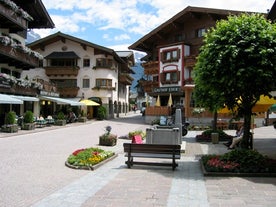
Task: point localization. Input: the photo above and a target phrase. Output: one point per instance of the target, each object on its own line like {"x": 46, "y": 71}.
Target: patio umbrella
{"x": 158, "y": 101}
{"x": 170, "y": 102}
{"x": 89, "y": 102}
{"x": 263, "y": 104}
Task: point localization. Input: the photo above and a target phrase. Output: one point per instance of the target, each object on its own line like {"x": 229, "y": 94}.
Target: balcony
{"x": 149, "y": 85}
{"x": 12, "y": 19}
{"x": 18, "y": 57}
{"x": 190, "y": 61}
{"x": 151, "y": 68}
{"x": 125, "y": 79}
{"x": 188, "y": 81}
{"x": 68, "y": 92}
{"x": 62, "y": 70}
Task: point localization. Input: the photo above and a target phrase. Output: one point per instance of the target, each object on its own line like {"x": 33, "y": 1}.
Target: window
{"x": 170, "y": 55}
{"x": 85, "y": 83}
{"x": 170, "y": 77}
{"x": 201, "y": 32}
{"x": 86, "y": 62}
{"x": 65, "y": 83}
{"x": 63, "y": 62}
{"x": 103, "y": 83}
{"x": 179, "y": 37}
{"x": 104, "y": 63}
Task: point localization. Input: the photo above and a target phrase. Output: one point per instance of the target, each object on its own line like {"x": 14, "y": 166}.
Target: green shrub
{"x": 10, "y": 118}
{"x": 240, "y": 161}
{"x": 28, "y": 117}
{"x": 60, "y": 116}
{"x": 101, "y": 113}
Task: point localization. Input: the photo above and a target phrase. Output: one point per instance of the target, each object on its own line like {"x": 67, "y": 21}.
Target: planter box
{"x": 107, "y": 142}
{"x": 9, "y": 128}
{"x": 82, "y": 119}
{"x": 60, "y": 122}
{"x": 28, "y": 126}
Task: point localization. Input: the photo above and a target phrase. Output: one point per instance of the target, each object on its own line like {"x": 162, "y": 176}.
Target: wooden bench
{"x": 161, "y": 151}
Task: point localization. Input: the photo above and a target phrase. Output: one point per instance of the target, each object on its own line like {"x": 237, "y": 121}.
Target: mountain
{"x": 139, "y": 73}
{"x": 32, "y": 36}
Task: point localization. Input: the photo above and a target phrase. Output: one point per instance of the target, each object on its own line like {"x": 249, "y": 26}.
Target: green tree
{"x": 236, "y": 65}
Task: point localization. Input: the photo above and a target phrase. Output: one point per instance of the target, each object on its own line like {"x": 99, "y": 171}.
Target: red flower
{"x": 220, "y": 164}
{"x": 78, "y": 151}
{"x": 95, "y": 153}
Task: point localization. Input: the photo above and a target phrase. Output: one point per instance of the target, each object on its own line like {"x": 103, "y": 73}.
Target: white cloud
{"x": 122, "y": 37}
{"x": 136, "y": 16}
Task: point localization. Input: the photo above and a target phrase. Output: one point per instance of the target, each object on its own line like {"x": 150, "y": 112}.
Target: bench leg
{"x": 174, "y": 164}
{"x": 129, "y": 161}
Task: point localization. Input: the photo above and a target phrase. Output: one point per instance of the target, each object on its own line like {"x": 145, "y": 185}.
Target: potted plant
{"x": 101, "y": 113}
{"x": 108, "y": 139}
{"x": 10, "y": 123}
{"x": 28, "y": 121}
{"x": 61, "y": 121}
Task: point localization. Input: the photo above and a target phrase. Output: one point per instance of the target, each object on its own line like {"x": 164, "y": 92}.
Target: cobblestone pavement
{"x": 33, "y": 172}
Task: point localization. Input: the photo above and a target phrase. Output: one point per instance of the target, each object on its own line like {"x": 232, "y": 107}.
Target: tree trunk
{"x": 214, "y": 126}
{"x": 246, "y": 135}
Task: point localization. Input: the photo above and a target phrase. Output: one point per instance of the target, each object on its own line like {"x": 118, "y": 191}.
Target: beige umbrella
{"x": 89, "y": 102}
{"x": 170, "y": 102}
{"x": 158, "y": 101}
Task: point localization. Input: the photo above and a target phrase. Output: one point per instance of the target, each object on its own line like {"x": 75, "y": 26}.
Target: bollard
{"x": 215, "y": 138}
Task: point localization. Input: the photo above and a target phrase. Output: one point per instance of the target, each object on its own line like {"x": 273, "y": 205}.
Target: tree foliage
{"x": 236, "y": 65}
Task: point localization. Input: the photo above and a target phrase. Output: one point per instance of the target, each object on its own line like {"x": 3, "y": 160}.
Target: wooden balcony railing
{"x": 149, "y": 85}
{"x": 125, "y": 79}
{"x": 151, "y": 67}
{"x": 68, "y": 92}
{"x": 17, "y": 57}
{"x": 13, "y": 18}
{"x": 188, "y": 81}
{"x": 190, "y": 61}
{"x": 62, "y": 70}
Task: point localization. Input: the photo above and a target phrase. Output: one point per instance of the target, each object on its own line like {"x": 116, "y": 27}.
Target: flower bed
{"x": 239, "y": 162}
{"x": 89, "y": 158}
{"x": 206, "y": 136}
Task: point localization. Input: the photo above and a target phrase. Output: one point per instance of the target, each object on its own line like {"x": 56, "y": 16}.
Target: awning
{"x": 62, "y": 101}
{"x": 7, "y": 99}
{"x": 25, "y": 98}
{"x": 62, "y": 55}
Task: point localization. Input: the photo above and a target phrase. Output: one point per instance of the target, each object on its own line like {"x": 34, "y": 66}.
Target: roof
{"x": 62, "y": 55}
{"x": 144, "y": 43}
{"x": 59, "y": 36}
{"x": 36, "y": 9}
{"x": 272, "y": 13}
{"x": 128, "y": 56}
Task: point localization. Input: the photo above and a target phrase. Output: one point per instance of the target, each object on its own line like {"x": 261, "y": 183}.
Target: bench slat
{"x": 151, "y": 155}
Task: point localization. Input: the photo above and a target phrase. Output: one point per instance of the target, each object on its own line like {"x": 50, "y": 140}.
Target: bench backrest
{"x": 152, "y": 148}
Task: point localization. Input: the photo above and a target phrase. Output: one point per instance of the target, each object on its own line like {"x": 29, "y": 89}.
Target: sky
{"x": 117, "y": 24}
